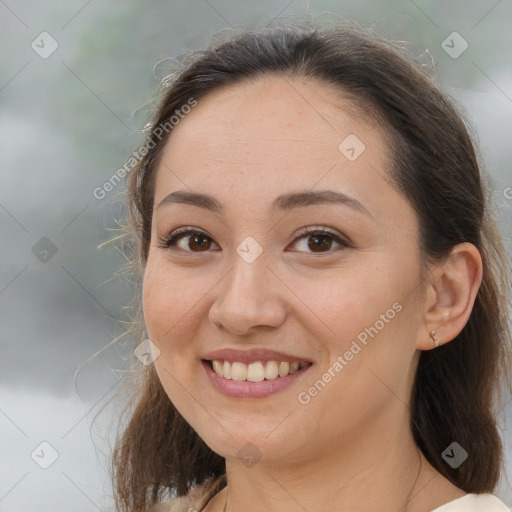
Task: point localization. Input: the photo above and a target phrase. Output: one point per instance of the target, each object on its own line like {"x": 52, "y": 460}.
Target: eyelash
{"x": 169, "y": 241}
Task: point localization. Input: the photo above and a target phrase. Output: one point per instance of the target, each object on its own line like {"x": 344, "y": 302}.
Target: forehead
{"x": 269, "y": 136}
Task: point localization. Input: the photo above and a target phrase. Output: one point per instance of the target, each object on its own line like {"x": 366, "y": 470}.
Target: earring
{"x": 433, "y": 337}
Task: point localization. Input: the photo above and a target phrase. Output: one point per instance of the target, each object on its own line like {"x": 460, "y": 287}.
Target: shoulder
{"x": 189, "y": 503}
{"x": 174, "y": 505}
{"x": 194, "y": 501}
{"x": 474, "y": 503}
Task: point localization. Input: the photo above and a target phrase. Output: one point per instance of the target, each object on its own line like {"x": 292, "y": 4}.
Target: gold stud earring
{"x": 433, "y": 337}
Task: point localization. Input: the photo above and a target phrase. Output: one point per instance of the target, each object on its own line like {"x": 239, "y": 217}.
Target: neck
{"x": 383, "y": 472}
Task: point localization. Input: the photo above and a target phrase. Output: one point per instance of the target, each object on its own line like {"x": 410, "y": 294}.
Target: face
{"x": 267, "y": 281}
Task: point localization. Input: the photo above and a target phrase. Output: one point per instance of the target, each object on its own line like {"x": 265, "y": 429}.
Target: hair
{"x": 433, "y": 163}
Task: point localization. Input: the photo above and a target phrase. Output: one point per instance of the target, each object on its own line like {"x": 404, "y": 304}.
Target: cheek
{"x": 169, "y": 301}
{"x": 369, "y": 348}
{"x": 368, "y": 316}
{"x": 159, "y": 305}
{"x": 168, "y": 307}
{"x": 348, "y": 299}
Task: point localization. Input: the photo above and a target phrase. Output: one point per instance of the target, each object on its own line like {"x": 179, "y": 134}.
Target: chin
{"x": 258, "y": 444}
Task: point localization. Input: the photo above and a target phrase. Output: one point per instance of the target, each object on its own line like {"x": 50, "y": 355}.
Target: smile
{"x": 256, "y": 371}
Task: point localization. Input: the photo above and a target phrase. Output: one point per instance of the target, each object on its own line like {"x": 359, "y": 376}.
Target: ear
{"x": 450, "y": 295}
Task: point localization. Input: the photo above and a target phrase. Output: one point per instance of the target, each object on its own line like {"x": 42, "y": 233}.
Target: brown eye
{"x": 320, "y": 242}
{"x": 197, "y": 241}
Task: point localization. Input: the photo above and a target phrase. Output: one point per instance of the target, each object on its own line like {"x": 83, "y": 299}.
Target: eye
{"x": 196, "y": 239}
{"x": 320, "y": 240}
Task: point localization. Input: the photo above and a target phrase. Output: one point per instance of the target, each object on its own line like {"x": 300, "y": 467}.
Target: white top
{"x": 474, "y": 503}
{"x": 468, "y": 503}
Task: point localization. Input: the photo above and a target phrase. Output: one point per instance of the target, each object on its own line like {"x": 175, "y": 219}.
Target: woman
{"x": 323, "y": 287}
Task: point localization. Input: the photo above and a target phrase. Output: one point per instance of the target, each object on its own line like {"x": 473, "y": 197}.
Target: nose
{"x": 249, "y": 296}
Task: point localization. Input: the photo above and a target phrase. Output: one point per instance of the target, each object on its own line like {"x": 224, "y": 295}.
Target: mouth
{"x": 257, "y": 371}
{"x": 253, "y": 373}
{"x": 253, "y": 379}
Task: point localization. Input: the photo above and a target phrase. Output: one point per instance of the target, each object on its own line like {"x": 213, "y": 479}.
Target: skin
{"x": 351, "y": 446}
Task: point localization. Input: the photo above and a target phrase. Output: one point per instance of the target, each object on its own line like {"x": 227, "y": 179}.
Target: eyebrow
{"x": 284, "y": 202}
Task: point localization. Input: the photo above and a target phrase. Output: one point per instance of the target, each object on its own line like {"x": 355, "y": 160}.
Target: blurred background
{"x": 75, "y": 81}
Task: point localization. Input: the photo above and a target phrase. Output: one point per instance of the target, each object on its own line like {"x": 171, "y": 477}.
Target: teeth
{"x": 271, "y": 370}
{"x": 217, "y": 366}
{"x": 239, "y": 371}
{"x": 284, "y": 369}
{"x": 257, "y": 371}
{"x": 225, "y": 370}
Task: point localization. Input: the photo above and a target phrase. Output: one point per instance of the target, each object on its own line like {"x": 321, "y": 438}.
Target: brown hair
{"x": 434, "y": 165}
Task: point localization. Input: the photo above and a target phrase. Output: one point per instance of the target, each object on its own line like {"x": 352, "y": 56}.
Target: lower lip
{"x": 246, "y": 389}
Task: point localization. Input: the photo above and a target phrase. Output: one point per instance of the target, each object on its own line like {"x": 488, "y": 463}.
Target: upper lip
{"x": 252, "y": 356}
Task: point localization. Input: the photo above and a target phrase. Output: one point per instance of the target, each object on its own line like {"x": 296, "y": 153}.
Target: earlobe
{"x": 434, "y": 339}
{"x": 450, "y": 296}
